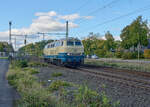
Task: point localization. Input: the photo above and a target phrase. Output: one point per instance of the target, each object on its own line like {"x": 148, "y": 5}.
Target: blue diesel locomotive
{"x": 66, "y": 52}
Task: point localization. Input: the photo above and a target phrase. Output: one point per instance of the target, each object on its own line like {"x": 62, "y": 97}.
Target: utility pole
{"x": 43, "y": 36}
{"x": 139, "y": 47}
{"x": 15, "y": 42}
{"x": 66, "y": 30}
{"x": 10, "y": 23}
{"x": 25, "y": 40}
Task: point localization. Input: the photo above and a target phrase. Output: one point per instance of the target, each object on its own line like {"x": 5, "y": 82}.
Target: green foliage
{"x": 135, "y": 33}
{"x": 109, "y": 54}
{"x": 5, "y": 47}
{"x": 36, "y": 64}
{"x": 21, "y": 63}
{"x": 147, "y": 53}
{"x": 118, "y": 54}
{"x": 109, "y": 36}
{"x": 128, "y": 55}
{"x": 131, "y": 55}
{"x": 57, "y": 74}
{"x": 34, "y": 49}
{"x": 101, "y": 53}
{"x": 95, "y": 45}
{"x": 58, "y": 84}
{"x": 33, "y": 71}
{"x": 86, "y": 97}
{"x": 32, "y": 93}
{"x": 109, "y": 43}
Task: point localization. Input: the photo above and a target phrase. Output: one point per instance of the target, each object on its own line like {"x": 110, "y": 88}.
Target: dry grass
{"x": 121, "y": 65}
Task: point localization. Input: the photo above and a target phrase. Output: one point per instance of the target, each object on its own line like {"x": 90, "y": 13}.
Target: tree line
{"x": 5, "y": 47}
{"x": 134, "y": 35}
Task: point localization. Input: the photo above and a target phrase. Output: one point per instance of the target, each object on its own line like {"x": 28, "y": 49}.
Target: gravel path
{"x": 128, "y": 97}
{"x": 7, "y": 93}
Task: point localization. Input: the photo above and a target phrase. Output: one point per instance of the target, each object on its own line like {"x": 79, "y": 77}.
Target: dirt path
{"x": 7, "y": 93}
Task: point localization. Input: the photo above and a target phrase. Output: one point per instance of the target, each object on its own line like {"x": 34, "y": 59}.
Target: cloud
{"x": 46, "y": 22}
{"x": 51, "y": 13}
{"x": 73, "y": 17}
{"x": 88, "y": 17}
{"x": 115, "y": 37}
{"x": 70, "y": 17}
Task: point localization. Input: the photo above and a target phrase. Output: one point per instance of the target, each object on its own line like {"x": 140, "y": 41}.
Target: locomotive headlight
{"x": 68, "y": 54}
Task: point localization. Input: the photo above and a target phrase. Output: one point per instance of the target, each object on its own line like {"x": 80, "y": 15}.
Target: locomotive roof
{"x": 69, "y": 39}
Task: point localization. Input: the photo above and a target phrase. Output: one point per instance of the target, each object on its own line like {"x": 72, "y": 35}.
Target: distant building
{"x": 148, "y": 47}
{"x": 142, "y": 48}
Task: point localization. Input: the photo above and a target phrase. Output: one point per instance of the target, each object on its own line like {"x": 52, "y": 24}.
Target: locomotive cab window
{"x": 78, "y": 43}
{"x": 62, "y": 43}
{"x": 70, "y": 43}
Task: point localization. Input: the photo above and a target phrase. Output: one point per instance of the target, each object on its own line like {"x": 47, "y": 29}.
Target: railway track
{"x": 112, "y": 77}
{"x": 102, "y": 73}
{"x": 124, "y": 80}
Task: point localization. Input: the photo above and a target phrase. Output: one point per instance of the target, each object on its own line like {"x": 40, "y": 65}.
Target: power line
{"x": 99, "y": 9}
{"x": 122, "y": 16}
{"x": 82, "y": 6}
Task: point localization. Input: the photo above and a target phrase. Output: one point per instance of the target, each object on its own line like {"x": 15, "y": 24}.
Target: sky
{"x": 84, "y": 16}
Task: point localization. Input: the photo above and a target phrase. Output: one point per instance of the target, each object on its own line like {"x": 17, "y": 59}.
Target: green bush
{"x": 100, "y": 53}
{"x": 56, "y": 74}
{"x": 85, "y": 97}
{"x": 35, "y": 64}
{"x": 128, "y": 55}
{"x": 32, "y": 93}
{"x": 57, "y": 84}
{"x": 132, "y": 55}
{"x": 118, "y": 54}
{"x": 20, "y": 63}
{"x": 109, "y": 54}
{"x": 147, "y": 53}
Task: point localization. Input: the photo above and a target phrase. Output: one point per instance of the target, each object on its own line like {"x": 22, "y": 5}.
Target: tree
{"x": 109, "y": 43}
{"x": 34, "y": 49}
{"x": 135, "y": 34}
{"x": 109, "y": 36}
{"x": 5, "y": 47}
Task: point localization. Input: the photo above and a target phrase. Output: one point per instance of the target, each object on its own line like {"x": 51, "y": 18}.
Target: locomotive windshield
{"x": 78, "y": 43}
{"x": 74, "y": 43}
{"x": 70, "y": 43}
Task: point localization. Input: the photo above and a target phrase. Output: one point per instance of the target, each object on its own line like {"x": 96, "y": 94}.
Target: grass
{"x": 31, "y": 70}
{"x": 56, "y": 85}
{"x": 145, "y": 67}
{"x": 37, "y": 64}
{"x": 86, "y": 97}
{"x": 3, "y": 57}
{"x": 57, "y": 74}
{"x": 33, "y": 94}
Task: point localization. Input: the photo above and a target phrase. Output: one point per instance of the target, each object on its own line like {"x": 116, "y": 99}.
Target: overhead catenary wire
{"x": 98, "y": 10}
{"x": 82, "y": 6}
{"x": 120, "y": 17}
